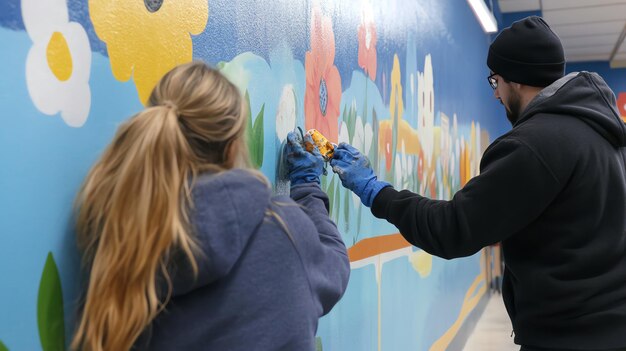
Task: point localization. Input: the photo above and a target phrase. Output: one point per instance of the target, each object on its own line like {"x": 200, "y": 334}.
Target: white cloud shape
{"x": 59, "y": 62}
{"x": 286, "y": 114}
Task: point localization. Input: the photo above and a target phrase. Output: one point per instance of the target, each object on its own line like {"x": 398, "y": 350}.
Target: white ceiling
{"x": 591, "y": 30}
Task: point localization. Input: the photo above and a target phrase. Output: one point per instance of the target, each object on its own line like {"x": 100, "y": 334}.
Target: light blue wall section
{"x": 262, "y": 46}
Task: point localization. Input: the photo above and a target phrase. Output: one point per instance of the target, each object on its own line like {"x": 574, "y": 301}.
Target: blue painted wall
{"x": 61, "y": 111}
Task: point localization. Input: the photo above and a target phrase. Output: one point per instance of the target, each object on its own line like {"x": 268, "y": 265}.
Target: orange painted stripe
{"x": 377, "y": 245}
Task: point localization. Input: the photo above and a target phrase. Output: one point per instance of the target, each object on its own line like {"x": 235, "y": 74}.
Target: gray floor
{"x": 493, "y": 330}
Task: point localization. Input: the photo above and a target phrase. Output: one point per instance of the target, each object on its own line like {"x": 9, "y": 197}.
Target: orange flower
{"x": 323, "y": 83}
{"x": 367, "y": 47}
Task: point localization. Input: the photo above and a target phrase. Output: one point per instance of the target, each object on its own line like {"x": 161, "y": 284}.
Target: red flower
{"x": 323, "y": 83}
{"x": 621, "y": 105}
{"x": 367, "y": 47}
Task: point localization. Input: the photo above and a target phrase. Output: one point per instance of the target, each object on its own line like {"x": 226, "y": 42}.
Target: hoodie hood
{"x": 228, "y": 207}
{"x": 582, "y": 95}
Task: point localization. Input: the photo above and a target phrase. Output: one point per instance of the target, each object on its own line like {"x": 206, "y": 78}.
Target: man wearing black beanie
{"x": 552, "y": 190}
{"x": 528, "y": 52}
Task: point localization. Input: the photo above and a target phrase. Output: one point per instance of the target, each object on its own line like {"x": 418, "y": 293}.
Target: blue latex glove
{"x": 356, "y": 174}
{"x": 303, "y": 166}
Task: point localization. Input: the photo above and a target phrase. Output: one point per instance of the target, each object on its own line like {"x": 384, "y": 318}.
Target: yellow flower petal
{"x": 396, "y": 105}
{"x": 422, "y": 263}
{"x": 59, "y": 57}
{"x": 147, "y": 44}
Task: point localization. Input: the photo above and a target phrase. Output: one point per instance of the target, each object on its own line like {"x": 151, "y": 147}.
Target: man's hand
{"x": 356, "y": 174}
{"x": 303, "y": 166}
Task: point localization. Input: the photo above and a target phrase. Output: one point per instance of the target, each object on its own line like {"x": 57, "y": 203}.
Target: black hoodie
{"x": 553, "y": 190}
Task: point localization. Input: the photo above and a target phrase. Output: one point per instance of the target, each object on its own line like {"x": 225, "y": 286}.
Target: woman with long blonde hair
{"x": 184, "y": 244}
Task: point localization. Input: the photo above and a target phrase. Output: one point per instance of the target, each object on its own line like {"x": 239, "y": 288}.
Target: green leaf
{"x": 249, "y": 140}
{"x": 50, "y": 308}
{"x": 373, "y": 156}
{"x": 254, "y": 134}
{"x": 318, "y": 344}
{"x": 2, "y": 347}
{"x": 331, "y": 194}
{"x": 365, "y": 103}
{"x": 346, "y": 209}
{"x": 337, "y": 196}
{"x": 351, "y": 122}
{"x": 257, "y": 139}
{"x": 358, "y": 223}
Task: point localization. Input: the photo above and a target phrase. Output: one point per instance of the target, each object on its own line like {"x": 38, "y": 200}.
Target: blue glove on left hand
{"x": 303, "y": 166}
{"x": 356, "y": 174}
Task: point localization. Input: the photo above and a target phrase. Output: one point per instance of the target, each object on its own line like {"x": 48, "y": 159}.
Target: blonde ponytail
{"x": 133, "y": 199}
{"x": 134, "y": 204}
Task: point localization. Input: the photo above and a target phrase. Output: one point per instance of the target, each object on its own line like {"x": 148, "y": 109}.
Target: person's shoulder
{"x": 554, "y": 134}
{"x": 544, "y": 125}
{"x": 242, "y": 188}
{"x": 285, "y": 205}
{"x": 235, "y": 179}
{"x": 235, "y": 175}
{"x": 555, "y": 140}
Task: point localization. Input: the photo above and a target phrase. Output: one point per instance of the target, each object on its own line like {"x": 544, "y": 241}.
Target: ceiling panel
{"x": 589, "y": 40}
{"x": 585, "y": 14}
{"x": 589, "y": 50}
{"x": 547, "y": 5}
{"x": 518, "y": 5}
{"x": 590, "y": 57}
{"x": 621, "y": 56}
{"x": 589, "y": 29}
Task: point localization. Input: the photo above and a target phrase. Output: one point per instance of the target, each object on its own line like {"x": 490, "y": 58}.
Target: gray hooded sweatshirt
{"x": 270, "y": 268}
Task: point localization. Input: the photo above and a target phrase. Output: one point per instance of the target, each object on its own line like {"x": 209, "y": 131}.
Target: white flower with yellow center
{"x": 59, "y": 62}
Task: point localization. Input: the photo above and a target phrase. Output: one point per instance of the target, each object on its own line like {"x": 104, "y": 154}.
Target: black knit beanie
{"x": 527, "y": 52}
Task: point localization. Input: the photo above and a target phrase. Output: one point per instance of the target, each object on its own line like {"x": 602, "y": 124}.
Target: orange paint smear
{"x": 375, "y": 246}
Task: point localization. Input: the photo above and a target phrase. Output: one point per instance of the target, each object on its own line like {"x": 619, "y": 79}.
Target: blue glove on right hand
{"x": 303, "y": 166}
{"x": 356, "y": 174}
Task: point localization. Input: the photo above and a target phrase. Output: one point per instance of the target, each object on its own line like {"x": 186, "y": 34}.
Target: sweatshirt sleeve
{"x": 513, "y": 189}
{"x": 326, "y": 258}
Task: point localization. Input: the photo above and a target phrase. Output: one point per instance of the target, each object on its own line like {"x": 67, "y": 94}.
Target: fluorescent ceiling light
{"x": 484, "y": 15}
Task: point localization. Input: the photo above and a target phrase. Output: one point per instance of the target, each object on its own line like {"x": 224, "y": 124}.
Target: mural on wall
{"x": 347, "y": 70}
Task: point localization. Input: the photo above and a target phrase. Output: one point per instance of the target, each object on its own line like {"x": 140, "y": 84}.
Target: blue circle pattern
{"x": 153, "y": 5}
{"x": 323, "y": 97}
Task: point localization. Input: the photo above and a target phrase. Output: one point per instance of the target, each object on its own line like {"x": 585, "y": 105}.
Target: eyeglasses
{"x": 493, "y": 81}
